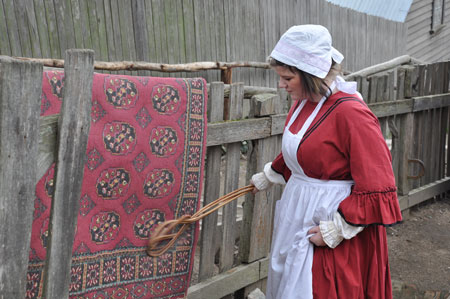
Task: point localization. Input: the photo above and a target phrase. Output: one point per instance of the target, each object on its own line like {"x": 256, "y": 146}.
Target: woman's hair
{"x": 310, "y": 83}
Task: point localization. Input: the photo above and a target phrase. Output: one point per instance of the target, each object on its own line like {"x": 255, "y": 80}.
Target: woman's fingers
{"x": 316, "y": 237}
{"x": 313, "y": 230}
{"x": 255, "y": 190}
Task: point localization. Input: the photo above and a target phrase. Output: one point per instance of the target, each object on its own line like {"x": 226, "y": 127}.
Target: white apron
{"x": 304, "y": 203}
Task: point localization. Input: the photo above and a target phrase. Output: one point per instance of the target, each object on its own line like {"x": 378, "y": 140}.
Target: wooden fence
{"x": 181, "y": 31}
{"x": 411, "y": 101}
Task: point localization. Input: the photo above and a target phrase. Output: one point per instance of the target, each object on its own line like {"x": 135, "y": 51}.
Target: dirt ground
{"x": 419, "y": 248}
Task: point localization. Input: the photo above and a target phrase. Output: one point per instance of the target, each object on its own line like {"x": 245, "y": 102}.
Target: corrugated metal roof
{"x": 394, "y": 10}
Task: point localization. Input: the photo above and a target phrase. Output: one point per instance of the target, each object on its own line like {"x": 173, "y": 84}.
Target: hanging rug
{"x": 144, "y": 165}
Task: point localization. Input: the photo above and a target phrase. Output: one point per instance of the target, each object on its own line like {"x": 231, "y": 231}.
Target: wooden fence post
{"x": 226, "y": 77}
{"x": 74, "y": 124}
{"x": 257, "y": 225}
{"x": 406, "y": 138}
{"x": 231, "y": 182}
{"x": 212, "y": 186}
{"x": 20, "y": 100}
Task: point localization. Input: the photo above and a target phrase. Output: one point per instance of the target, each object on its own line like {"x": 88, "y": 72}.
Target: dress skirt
{"x": 356, "y": 269}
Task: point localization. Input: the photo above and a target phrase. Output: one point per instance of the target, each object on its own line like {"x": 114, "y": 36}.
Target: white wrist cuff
{"x": 273, "y": 176}
{"x": 260, "y": 181}
{"x": 336, "y": 230}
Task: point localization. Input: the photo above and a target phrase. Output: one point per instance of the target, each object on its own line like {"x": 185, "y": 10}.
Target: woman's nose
{"x": 282, "y": 84}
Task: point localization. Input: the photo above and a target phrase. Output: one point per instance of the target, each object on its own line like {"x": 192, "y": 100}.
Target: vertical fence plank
{"x": 209, "y": 39}
{"x": 150, "y": 31}
{"x": 221, "y": 42}
{"x": 428, "y": 75}
{"x": 372, "y": 93}
{"x": 407, "y": 86}
{"x": 20, "y": 91}
{"x": 255, "y": 55}
{"x": 249, "y": 37}
{"x": 427, "y": 144}
{"x": 13, "y": 30}
{"x": 109, "y": 31}
{"x": 212, "y": 186}
{"x": 74, "y": 124}
{"x": 238, "y": 19}
{"x": 33, "y": 29}
{"x": 400, "y": 83}
{"x": 422, "y": 141}
{"x": 410, "y": 87}
{"x": 447, "y": 170}
{"x": 189, "y": 29}
{"x": 421, "y": 80}
{"x": 394, "y": 122}
{"x": 117, "y": 40}
{"x": 446, "y": 86}
{"x": 200, "y": 33}
{"x": 443, "y": 134}
{"x": 64, "y": 23}
{"x": 101, "y": 26}
{"x": 405, "y": 141}
{"x": 126, "y": 32}
{"x": 126, "y": 24}
{"x": 446, "y": 138}
{"x": 159, "y": 32}
{"x": 430, "y": 136}
{"x": 179, "y": 17}
{"x": 140, "y": 32}
{"x": 85, "y": 28}
{"x": 53, "y": 35}
{"x": 414, "y": 80}
{"x": 391, "y": 86}
{"x": 417, "y": 152}
{"x": 93, "y": 26}
{"x": 5, "y": 48}
{"x": 436, "y": 78}
{"x": 381, "y": 97}
{"x": 77, "y": 26}
{"x": 435, "y": 143}
{"x": 173, "y": 46}
{"x": 42, "y": 29}
{"x": 231, "y": 182}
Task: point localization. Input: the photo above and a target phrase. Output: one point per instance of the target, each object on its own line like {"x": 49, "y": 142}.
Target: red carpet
{"x": 144, "y": 165}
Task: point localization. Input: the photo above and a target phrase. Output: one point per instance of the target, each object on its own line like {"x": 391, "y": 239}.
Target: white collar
{"x": 347, "y": 87}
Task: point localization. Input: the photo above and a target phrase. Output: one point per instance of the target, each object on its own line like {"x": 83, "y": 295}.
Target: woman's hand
{"x": 317, "y": 238}
{"x": 255, "y": 190}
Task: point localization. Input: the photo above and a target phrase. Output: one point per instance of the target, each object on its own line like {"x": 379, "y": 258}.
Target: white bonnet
{"x": 308, "y": 48}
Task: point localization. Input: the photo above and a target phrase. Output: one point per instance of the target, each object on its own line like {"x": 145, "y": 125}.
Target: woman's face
{"x": 290, "y": 81}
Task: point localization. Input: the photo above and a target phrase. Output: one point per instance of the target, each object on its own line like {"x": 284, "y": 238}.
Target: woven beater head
{"x": 165, "y": 236}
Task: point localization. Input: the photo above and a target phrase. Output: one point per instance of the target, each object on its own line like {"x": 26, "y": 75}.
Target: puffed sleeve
{"x": 373, "y": 200}
{"x": 279, "y": 166}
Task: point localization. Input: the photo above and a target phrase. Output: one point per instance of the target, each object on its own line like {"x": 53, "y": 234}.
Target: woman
{"x": 329, "y": 238}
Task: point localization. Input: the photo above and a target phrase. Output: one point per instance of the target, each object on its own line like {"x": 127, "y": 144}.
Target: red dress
{"x": 345, "y": 143}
